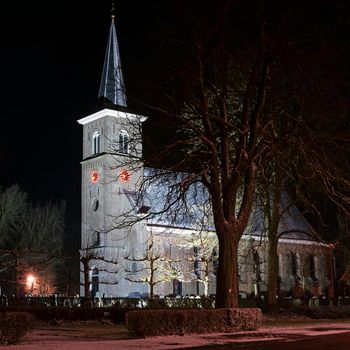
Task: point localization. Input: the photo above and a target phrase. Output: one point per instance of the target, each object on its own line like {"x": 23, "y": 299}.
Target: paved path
{"x": 43, "y": 341}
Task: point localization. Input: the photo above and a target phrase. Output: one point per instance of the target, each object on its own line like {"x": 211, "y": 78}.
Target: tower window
{"x": 123, "y": 142}
{"x": 96, "y": 143}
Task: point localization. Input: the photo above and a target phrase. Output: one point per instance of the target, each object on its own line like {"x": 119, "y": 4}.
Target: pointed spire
{"x": 112, "y": 82}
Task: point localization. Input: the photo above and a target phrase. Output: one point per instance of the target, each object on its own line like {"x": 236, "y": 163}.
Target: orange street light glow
{"x": 30, "y": 279}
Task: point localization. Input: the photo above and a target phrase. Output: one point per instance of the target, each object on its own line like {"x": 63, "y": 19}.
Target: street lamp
{"x": 30, "y": 283}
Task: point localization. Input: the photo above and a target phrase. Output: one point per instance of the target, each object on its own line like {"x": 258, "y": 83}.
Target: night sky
{"x": 50, "y": 64}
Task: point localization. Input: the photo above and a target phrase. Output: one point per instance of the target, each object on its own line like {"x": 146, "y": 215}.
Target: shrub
{"x": 180, "y": 322}
{"x": 14, "y": 325}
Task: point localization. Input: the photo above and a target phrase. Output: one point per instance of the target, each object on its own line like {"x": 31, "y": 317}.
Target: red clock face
{"x": 94, "y": 176}
{"x": 124, "y": 176}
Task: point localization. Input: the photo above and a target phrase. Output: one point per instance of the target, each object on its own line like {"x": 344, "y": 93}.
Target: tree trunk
{"x": 206, "y": 279}
{"x": 86, "y": 280}
{"x": 272, "y": 271}
{"x": 275, "y": 217}
{"x": 151, "y": 282}
{"x": 17, "y": 275}
{"x": 227, "y": 276}
{"x": 151, "y": 290}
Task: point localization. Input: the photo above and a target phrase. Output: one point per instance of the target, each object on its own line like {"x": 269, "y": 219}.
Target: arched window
{"x": 177, "y": 287}
{"x": 196, "y": 262}
{"x": 312, "y": 267}
{"x": 123, "y": 142}
{"x": 295, "y": 266}
{"x": 94, "y": 281}
{"x": 96, "y": 239}
{"x": 215, "y": 258}
{"x": 294, "y": 263}
{"x": 257, "y": 265}
{"x": 96, "y": 142}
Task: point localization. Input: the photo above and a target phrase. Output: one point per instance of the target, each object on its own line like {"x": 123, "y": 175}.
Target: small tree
{"x": 201, "y": 253}
{"x": 91, "y": 258}
{"x": 152, "y": 267}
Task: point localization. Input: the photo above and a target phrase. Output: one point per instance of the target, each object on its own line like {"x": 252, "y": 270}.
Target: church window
{"x": 215, "y": 261}
{"x": 177, "y": 287}
{"x": 96, "y": 143}
{"x": 295, "y": 266}
{"x": 239, "y": 271}
{"x": 96, "y": 239}
{"x": 123, "y": 142}
{"x": 196, "y": 263}
{"x": 312, "y": 267}
{"x": 257, "y": 265}
{"x": 94, "y": 281}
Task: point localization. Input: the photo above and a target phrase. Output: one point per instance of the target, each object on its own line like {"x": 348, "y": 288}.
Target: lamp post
{"x": 30, "y": 283}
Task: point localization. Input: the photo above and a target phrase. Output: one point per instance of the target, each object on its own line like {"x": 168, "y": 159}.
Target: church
{"x": 128, "y": 252}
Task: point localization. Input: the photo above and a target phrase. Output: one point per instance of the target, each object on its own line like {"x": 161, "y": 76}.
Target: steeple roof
{"x": 112, "y": 83}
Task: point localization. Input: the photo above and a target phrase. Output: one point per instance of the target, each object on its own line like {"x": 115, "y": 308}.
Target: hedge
{"x": 322, "y": 312}
{"x": 180, "y": 322}
{"x": 14, "y": 325}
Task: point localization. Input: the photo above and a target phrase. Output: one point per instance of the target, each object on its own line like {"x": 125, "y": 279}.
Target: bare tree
{"x": 94, "y": 261}
{"x": 151, "y": 266}
{"x": 310, "y": 154}
{"x": 31, "y": 235}
{"x": 199, "y": 259}
{"x": 219, "y": 139}
{"x": 227, "y": 118}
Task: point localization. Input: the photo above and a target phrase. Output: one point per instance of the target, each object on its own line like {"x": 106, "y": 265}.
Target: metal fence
{"x": 166, "y": 302}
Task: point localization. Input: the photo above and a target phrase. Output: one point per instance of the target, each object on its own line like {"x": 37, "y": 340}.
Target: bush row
{"x": 326, "y": 312}
{"x": 70, "y": 314}
{"x": 118, "y": 315}
{"x": 13, "y": 326}
{"x": 180, "y": 322}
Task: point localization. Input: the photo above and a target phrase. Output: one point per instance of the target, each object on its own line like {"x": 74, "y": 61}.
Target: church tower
{"x": 111, "y": 169}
